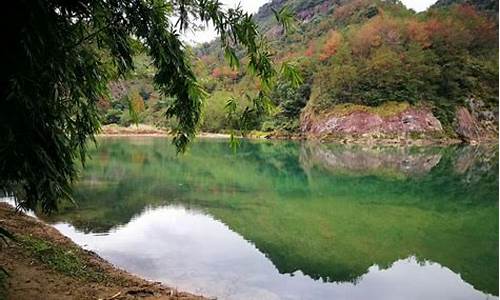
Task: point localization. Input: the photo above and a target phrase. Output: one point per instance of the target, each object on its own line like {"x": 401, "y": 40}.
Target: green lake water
{"x": 289, "y": 220}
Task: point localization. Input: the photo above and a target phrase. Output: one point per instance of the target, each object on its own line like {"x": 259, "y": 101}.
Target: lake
{"x": 290, "y": 220}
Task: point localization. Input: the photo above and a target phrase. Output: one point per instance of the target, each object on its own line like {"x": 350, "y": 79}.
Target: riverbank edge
{"x": 42, "y": 263}
{"x": 364, "y": 140}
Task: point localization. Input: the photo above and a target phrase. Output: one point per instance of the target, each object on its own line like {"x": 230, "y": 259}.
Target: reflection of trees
{"x": 354, "y": 207}
{"x": 124, "y": 177}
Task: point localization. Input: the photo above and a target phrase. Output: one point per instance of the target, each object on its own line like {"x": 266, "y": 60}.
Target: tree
{"x": 136, "y": 106}
{"x": 55, "y": 69}
{"x": 290, "y": 101}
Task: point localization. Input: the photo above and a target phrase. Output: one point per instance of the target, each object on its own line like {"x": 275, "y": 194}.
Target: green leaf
{"x": 230, "y": 56}
{"x": 285, "y": 18}
{"x": 290, "y": 72}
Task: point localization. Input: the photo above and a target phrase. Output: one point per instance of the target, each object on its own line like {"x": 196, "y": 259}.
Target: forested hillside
{"x": 437, "y": 69}
{"x": 489, "y": 6}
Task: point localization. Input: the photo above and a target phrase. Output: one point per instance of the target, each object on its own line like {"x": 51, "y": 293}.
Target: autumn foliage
{"x": 372, "y": 51}
{"x": 225, "y": 73}
{"x": 350, "y": 9}
{"x": 331, "y": 45}
{"x": 381, "y": 30}
{"x": 311, "y": 49}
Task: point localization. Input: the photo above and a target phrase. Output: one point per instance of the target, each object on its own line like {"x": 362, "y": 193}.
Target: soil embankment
{"x": 43, "y": 264}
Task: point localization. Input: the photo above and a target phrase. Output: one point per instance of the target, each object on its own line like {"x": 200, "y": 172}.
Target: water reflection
{"x": 326, "y": 214}
{"x": 218, "y": 262}
{"x": 362, "y": 160}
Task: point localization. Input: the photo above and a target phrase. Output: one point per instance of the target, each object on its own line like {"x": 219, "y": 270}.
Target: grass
{"x": 386, "y": 109}
{"x": 66, "y": 261}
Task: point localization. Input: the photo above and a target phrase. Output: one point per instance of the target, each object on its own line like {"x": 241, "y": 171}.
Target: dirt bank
{"x": 44, "y": 264}
{"x": 147, "y": 131}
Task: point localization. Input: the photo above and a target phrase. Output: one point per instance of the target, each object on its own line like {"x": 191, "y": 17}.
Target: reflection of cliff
{"x": 476, "y": 162}
{"x": 368, "y": 161}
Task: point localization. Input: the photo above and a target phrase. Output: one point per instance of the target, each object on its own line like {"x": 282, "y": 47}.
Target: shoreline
{"x": 201, "y": 135}
{"x": 396, "y": 142}
{"x": 110, "y": 131}
{"x": 42, "y": 263}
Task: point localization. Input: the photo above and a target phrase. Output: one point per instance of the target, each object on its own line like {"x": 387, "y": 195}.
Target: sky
{"x": 252, "y": 6}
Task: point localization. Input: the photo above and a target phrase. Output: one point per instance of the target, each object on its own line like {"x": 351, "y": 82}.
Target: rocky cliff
{"x": 399, "y": 123}
{"x": 388, "y": 122}
{"x": 474, "y": 122}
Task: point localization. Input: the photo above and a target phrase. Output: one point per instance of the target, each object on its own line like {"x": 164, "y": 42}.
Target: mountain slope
{"x": 360, "y": 59}
{"x": 490, "y": 6}
{"x": 363, "y": 53}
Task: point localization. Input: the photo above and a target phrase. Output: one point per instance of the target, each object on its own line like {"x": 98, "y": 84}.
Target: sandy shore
{"x": 147, "y": 131}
